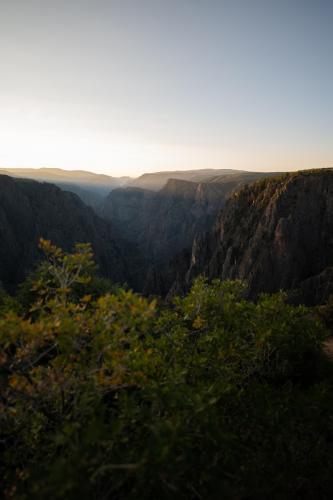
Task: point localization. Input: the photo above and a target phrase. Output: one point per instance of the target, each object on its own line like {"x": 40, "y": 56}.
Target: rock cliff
{"x": 29, "y": 210}
{"x": 276, "y": 234}
{"x": 163, "y": 223}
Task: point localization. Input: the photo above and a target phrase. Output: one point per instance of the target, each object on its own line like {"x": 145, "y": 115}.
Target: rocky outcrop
{"x": 163, "y": 224}
{"x": 166, "y": 222}
{"x": 275, "y": 234}
{"x": 178, "y": 212}
{"x": 29, "y": 210}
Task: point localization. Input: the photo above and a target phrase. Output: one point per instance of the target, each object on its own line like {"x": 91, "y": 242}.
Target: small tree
{"x": 63, "y": 274}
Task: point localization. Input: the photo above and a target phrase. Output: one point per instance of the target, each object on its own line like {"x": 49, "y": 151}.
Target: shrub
{"x": 114, "y": 397}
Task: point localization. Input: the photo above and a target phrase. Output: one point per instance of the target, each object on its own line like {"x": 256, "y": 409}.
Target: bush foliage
{"x": 106, "y": 394}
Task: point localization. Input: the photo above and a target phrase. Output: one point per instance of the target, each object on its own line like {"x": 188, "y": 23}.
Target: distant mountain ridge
{"x": 89, "y": 179}
{"x": 90, "y": 187}
{"x": 157, "y": 180}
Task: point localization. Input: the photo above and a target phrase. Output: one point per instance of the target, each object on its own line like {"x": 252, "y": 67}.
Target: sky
{"x": 132, "y": 86}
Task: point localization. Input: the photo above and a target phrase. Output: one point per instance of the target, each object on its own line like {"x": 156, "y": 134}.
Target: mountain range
{"x": 157, "y": 180}
{"x": 160, "y": 231}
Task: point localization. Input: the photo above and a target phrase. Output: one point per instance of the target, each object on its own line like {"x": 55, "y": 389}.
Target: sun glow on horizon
{"x": 34, "y": 140}
{"x": 124, "y": 88}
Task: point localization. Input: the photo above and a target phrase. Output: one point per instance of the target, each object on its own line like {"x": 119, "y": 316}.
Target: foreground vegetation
{"x": 105, "y": 394}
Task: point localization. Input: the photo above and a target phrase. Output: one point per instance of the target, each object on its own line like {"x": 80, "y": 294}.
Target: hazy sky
{"x": 127, "y": 86}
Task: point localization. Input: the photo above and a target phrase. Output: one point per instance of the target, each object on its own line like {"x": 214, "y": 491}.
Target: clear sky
{"x": 127, "y": 86}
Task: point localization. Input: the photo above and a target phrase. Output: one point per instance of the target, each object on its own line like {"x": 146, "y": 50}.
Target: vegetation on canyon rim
{"x": 106, "y": 394}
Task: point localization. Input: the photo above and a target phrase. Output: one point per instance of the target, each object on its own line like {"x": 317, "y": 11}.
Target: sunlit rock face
{"x": 30, "y": 210}
{"x": 275, "y": 234}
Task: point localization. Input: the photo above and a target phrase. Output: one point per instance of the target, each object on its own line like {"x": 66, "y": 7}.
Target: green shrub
{"x": 113, "y": 397}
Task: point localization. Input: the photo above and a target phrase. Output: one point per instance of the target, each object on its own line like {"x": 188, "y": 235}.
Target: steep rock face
{"x": 179, "y": 211}
{"x": 164, "y": 223}
{"x": 129, "y": 210}
{"x": 29, "y": 210}
{"x": 275, "y": 234}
